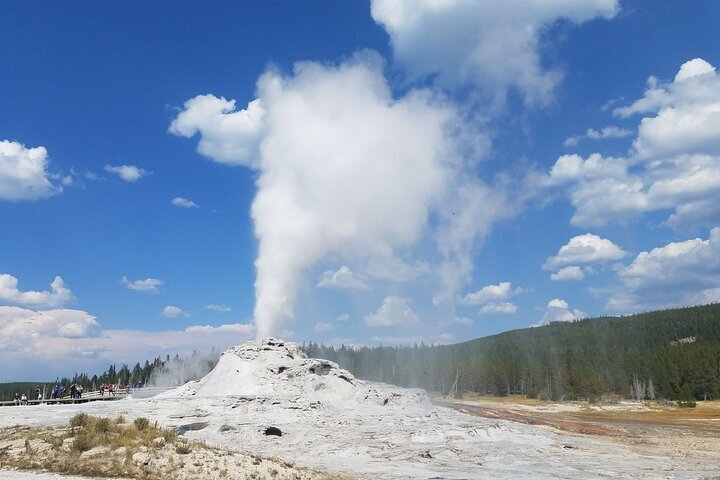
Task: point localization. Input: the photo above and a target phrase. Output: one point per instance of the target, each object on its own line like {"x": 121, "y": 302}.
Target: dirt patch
{"x": 532, "y": 418}
{"x": 650, "y": 427}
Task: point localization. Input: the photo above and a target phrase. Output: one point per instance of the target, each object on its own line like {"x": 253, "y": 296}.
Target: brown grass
{"x": 131, "y": 450}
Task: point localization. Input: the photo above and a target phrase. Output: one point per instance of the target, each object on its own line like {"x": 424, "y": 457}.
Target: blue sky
{"x": 407, "y": 171}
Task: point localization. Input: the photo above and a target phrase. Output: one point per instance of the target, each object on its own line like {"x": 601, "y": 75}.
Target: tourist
{"x": 23, "y": 399}
{"x": 16, "y": 398}
{"x": 38, "y": 392}
{"x": 55, "y": 391}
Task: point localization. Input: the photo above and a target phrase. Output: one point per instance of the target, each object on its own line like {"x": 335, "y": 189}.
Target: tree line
{"x": 164, "y": 372}
{"x": 674, "y": 352}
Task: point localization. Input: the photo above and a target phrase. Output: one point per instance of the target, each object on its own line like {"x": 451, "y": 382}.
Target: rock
{"x": 159, "y": 442}
{"x": 141, "y": 458}
{"x": 101, "y": 450}
{"x": 13, "y": 447}
{"x": 120, "y": 451}
{"x": 68, "y": 444}
{"x": 39, "y": 446}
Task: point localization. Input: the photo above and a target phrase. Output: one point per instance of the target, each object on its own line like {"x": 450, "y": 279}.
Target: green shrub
{"x": 83, "y": 443}
{"x": 687, "y": 403}
{"x": 80, "y": 420}
{"x": 103, "y": 425}
{"x": 141, "y": 423}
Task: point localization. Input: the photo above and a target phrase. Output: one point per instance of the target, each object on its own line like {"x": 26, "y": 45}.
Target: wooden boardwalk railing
{"x": 93, "y": 396}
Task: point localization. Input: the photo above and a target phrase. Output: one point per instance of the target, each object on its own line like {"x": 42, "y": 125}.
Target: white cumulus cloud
{"x": 674, "y": 163}
{"x": 23, "y": 330}
{"x": 149, "y": 285}
{"x": 60, "y": 340}
{"x": 394, "y": 311}
{"x": 226, "y": 135}
{"x": 58, "y": 295}
{"x": 23, "y": 172}
{"x": 570, "y": 273}
{"x": 679, "y": 273}
{"x": 129, "y": 173}
{"x": 585, "y": 249}
{"x": 484, "y": 43}
{"x": 490, "y": 293}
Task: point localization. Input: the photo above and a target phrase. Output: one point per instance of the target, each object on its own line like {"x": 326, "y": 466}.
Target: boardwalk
{"x": 93, "y": 396}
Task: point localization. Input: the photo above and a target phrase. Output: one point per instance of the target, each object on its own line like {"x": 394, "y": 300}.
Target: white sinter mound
{"x": 280, "y": 372}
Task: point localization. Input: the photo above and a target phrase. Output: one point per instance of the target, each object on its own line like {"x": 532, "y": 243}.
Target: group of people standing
{"x": 76, "y": 392}
{"x": 22, "y": 399}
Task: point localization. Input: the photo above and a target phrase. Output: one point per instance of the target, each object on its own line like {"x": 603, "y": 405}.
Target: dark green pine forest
{"x": 672, "y": 354}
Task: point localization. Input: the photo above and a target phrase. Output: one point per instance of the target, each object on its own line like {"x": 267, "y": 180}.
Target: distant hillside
{"x": 676, "y": 351}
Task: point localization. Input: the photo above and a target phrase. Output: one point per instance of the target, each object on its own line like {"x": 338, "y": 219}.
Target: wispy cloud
{"x": 218, "y": 308}
{"x": 171, "y": 311}
{"x": 591, "y": 133}
{"x": 129, "y": 173}
{"x": 184, "y": 203}
{"x": 149, "y": 285}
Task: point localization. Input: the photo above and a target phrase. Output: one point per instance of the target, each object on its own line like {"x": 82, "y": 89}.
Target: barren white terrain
{"x": 331, "y": 421}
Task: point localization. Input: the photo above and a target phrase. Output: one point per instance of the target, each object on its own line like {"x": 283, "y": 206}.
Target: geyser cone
{"x": 280, "y": 371}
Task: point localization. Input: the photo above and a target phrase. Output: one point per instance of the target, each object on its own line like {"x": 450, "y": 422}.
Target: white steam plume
{"x": 344, "y": 169}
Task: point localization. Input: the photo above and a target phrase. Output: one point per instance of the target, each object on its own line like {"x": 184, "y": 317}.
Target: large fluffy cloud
{"x": 345, "y": 169}
{"x": 585, "y": 249}
{"x": 60, "y": 341}
{"x": 674, "y": 163}
{"x": 484, "y": 43}
{"x": 679, "y": 273}
{"x": 58, "y": 295}
{"x": 23, "y": 330}
{"x": 23, "y": 172}
{"x": 493, "y": 298}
